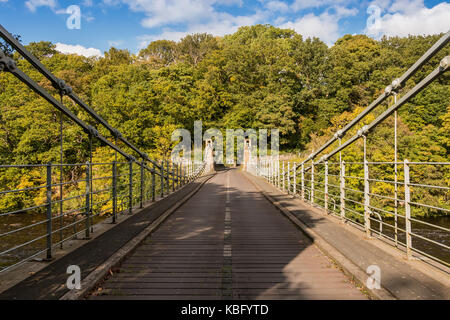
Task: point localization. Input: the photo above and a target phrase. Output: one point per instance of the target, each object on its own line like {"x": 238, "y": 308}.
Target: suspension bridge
{"x": 270, "y": 229}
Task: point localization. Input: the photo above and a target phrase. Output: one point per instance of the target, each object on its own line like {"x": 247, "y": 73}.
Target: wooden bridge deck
{"x": 227, "y": 242}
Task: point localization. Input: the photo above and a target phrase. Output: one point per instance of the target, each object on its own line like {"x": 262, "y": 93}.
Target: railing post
{"x": 295, "y": 178}
{"x": 342, "y": 190}
{"x": 88, "y": 202}
{"x": 162, "y": 178}
{"x": 271, "y": 171}
{"x": 303, "y": 181}
{"x": 141, "y": 204}
{"x": 130, "y": 192}
{"x": 326, "y": 187}
{"x": 312, "y": 182}
{"x": 49, "y": 211}
{"x": 277, "y": 174}
{"x": 178, "y": 175}
{"x": 173, "y": 176}
{"x": 366, "y": 198}
{"x": 407, "y": 210}
{"x": 283, "y": 176}
{"x": 114, "y": 190}
{"x": 153, "y": 183}
{"x": 288, "y": 177}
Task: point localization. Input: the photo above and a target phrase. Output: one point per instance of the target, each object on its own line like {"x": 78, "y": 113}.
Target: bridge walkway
{"x": 227, "y": 242}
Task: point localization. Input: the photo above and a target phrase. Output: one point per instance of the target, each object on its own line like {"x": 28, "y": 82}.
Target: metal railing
{"x": 39, "y": 217}
{"x": 391, "y": 200}
{"x": 396, "y": 212}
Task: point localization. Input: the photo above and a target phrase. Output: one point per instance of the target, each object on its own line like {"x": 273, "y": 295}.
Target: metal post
{"x": 288, "y": 177}
{"x": 270, "y": 172}
{"x": 91, "y": 183}
{"x": 366, "y": 191}
{"x": 88, "y": 199}
{"x": 49, "y": 211}
{"x": 130, "y": 192}
{"x": 61, "y": 178}
{"x": 303, "y": 181}
{"x": 141, "y": 204}
{"x": 326, "y": 186}
{"x": 114, "y": 191}
{"x": 177, "y": 181}
{"x": 312, "y": 182}
{"x": 153, "y": 183}
{"x": 162, "y": 178}
{"x": 395, "y": 176}
{"x": 407, "y": 210}
{"x": 295, "y": 178}
{"x": 342, "y": 189}
{"x": 283, "y": 176}
{"x": 173, "y": 176}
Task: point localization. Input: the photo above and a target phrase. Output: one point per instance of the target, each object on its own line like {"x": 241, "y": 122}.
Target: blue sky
{"x": 132, "y": 24}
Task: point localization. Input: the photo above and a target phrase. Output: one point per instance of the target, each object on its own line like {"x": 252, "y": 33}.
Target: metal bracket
{"x": 117, "y": 134}
{"x": 445, "y": 62}
{"x": 6, "y": 63}
{"x": 63, "y": 88}
{"x": 339, "y": 134}
{"x": 363, "y": 131}
{"x": 92, "y": 131}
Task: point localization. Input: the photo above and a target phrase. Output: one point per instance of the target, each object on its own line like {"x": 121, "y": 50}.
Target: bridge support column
{"x": 407, "y": 210}
{"x": 49, "y": 212}
{"x": 342, "y": 190}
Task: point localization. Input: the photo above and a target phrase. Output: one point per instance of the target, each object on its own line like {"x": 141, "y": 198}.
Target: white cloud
{"x": 115, "y": 43}
{"x": 275, "y": 6}
{"x": 32, "y": 5}
{"x": 161, "y": 13}
{"x": 196, "y": 16}
{"x": 324, "y": 26}
{"x": 78, "y": 49}
{"x": 410, "y": 17}
{"x": 298, "y": 5}
{"x": 3, "y": 0}
{"x": 221, "y": 25}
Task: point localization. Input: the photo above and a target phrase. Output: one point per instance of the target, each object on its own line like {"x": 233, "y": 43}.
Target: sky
{"x": 133, "y": 24}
